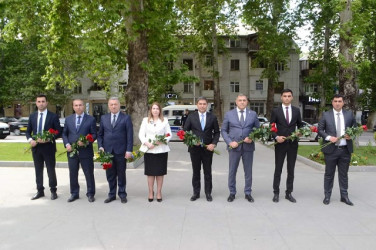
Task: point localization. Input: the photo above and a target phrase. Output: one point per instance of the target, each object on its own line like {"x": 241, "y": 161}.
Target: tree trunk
{"x": 325, "y": 71}
{"x": 270, "y": 98}
{"x": 347, "y": 85}
{"x": 217, "y": 90}
{"x": 136, "y": 94}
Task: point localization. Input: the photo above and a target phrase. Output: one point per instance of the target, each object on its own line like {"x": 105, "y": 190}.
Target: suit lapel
{"x": 82, "y": 122}
{"x": 46, "y": 121}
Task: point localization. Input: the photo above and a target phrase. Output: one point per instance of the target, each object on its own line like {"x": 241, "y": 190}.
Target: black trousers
{"x": 45, "y": 153}
{"x": 87, "y": 165}
{"x": 339, "y": 157}
{"x": 116, "y": 176}
{"x": 289, "y": 149}
{"x": 199, "y": 155}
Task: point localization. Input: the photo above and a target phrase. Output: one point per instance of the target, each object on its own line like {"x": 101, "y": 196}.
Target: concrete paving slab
{"x": 177, "y": 223}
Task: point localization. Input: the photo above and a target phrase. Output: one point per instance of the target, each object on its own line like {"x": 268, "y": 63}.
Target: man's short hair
{"x": 202, "y": 98}
{"x": 287, "y": 91}
{"x": 42, "y": 95}
{"x": 114, "y": 98}
{"x": 337, "y": 96}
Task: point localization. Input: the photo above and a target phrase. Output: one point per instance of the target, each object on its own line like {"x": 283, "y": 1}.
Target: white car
{"x": 263, "y": 121}
{"x": 4, "y": 130}
{"x": 314, "y": 136}
{"x": 175, "y": 125}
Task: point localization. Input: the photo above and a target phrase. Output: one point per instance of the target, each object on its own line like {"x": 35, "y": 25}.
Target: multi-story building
{"x": 237, "y": 74}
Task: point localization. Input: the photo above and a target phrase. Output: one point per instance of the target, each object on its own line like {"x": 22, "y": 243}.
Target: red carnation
{"x": 314, "y": 129}
{"x": 107, "y": 165}
{"x": 90, "y": 138}
{"x": 168, "y": 134}
{"x": 181, "y": 134}
{"x": 364, "y": 127}
{"x": 273, "y": 125}
{"x": 53, "y": 131}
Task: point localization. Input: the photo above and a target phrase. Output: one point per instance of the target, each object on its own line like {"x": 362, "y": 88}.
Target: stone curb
{"x": 24, "y": 164}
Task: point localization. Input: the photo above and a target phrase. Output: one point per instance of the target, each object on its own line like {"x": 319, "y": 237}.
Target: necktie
{"x": 287, "y": 115}
{"x": 40, "y": 124}
{"x": 78, "y": 123}
{"x": 242, "y": 117}
{"x": 338, "y": 127}
{"x": 202, "y": 122}
{"x": 113, "y": 121}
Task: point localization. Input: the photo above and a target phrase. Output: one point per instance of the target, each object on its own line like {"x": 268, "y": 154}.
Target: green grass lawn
{"x": 16, "y": 152}
{"x": 364, "y": 155}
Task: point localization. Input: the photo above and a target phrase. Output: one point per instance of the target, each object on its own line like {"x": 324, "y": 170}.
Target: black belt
{"x": 341, "y": 147}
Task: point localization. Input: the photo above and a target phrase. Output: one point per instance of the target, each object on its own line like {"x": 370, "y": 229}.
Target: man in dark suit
{"x": 237, "y": 126}
{"x": 332, "y": 126}
{"x": 43, "y": 151}
{"x": 287, "y": 118}
{"x": 204, "y": 125}
{"x": 76, "y": 125}
{"x": 116, "y": 137}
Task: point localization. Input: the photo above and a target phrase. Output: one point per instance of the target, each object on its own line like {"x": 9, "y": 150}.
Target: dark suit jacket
{"x": 70, "y": 135}
{"x": 327, "y": 126}
{"x": 284, "y": 129}
{"x": 52, "y": 121}
{"x": 232, "y": 130}
{"x": 118, "y": 139}
{"x": 211, "y": 133}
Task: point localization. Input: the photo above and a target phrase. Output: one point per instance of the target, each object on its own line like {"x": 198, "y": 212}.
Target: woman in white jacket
{"x": 154, "y": 134}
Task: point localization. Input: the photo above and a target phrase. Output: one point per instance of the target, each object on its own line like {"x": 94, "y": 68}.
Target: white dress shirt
{"x": 239, "y": 113}
{"x": 343, "y": 129}
{"x": 289, "y": 109}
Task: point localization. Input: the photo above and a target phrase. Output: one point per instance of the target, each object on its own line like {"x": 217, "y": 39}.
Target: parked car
{"x": 314, "y": 136}
{"x": 263, "y": 121}
{"x": 62, "y": 122}
{"x": 7, "y": 119}
{"x": 374, "y": 127}
{"x": 4, "y": 130}
{"x": 20, "y": 126}
{"x": 175, "y": 127}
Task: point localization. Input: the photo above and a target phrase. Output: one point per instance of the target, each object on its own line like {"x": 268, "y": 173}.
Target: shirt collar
{"x": 335, "y": 111}
{"x": 82, "y": 115}
{"x": 284, "y": 106}
{"x": 238, "y": 109}
{"x": 201, "y": 113}
{"x": 44, "y": 112}
{"x": 117, "y": 114}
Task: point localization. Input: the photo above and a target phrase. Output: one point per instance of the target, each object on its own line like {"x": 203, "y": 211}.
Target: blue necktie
{"x": 202, "y": 122}
{"x": 40, "y": 124}
{"x": 78, "y": 123}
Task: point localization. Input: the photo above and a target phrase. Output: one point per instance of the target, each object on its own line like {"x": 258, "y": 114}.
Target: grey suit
{"x": 233, "y": 130}
{"x": 336, "y": 155}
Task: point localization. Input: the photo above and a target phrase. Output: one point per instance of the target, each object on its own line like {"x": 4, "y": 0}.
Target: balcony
{"x": 97, "y": 95}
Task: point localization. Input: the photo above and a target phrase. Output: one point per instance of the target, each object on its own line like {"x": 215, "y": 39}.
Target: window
{"x": 188, "y": 87}
{"x": 208, "y": 85}
{"x": 170, "y": 65}
{"x": 259, "y": 85}
{"x": 232, "y": 105}
{"x": 77, "y": 89}
{"x": 280, "y": 66}
{"x": 279, "y": 87}
{"x": 311, "y": 88}
{"x": 208, "y": 61}
{"x": 235, "y": 64}
{"x": 258, "y": 107}
{"x": 189, "y": 63}
{"x": 122, "y": 86}
{"x": 234, "y": 43}
{"x": 234, "y": 87}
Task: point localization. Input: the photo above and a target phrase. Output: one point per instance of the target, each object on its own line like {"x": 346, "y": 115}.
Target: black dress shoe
{"x": 91, "y": 198}
{"x": 124, "y": 200}
{"x": 195, "y": 197}
{"x": 109, "y": 199}
{"x": 276, "y": 198}
{"x": 326, "y": 200}
{"x": 53, "y": 196}
{"x": 209, "y": 197}
{"x": 72, "y": 198}
{"x": 159, "y": 200}
{"x": 290, "y": 198}
{"x": 37, "y": 195}
{"x": 249, "y": 198}
{"x": 231, "y": 198}
{"x": 347, "y": 201}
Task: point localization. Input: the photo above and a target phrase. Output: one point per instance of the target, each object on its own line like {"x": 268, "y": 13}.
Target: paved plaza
{"x": 178, "y": 223}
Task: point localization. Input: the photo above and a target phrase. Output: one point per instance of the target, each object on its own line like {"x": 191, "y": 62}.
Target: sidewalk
{"x": 178, "y": 223}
